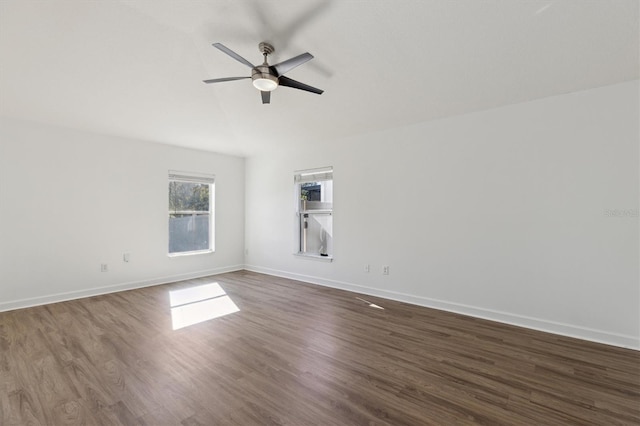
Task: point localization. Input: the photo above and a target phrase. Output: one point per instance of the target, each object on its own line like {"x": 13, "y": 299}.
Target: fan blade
{"x": 288, "y": 82}
{"x": 290, "y": 64}
{"x": 233, "y": 54}
{"x": 219, "y": 80}
{"x": 266, "y": 97}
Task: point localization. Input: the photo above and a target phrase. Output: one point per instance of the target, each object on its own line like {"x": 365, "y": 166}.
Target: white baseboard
{"x": 599, "y": 336}
{"x": 95, "y": 291}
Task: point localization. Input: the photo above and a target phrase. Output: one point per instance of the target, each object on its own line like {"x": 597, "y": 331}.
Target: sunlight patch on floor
{"x": 194, "y": 305}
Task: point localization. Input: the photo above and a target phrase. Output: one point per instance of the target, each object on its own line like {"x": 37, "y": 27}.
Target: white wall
{"x": 70, "y": 201}
{"x": 500, "y": 214}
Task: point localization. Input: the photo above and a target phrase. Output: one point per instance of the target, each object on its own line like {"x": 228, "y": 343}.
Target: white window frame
{"x": 322, "y": 174}
{"x": 200, "y": 178}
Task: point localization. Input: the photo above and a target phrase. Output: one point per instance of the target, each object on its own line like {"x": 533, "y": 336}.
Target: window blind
{"x": 314, "y": 175}
{"x": 191, "y": 177}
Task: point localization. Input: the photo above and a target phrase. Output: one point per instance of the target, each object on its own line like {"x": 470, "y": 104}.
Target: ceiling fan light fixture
{"x": 263, "y": 79}
{"x": 265, "y": 84}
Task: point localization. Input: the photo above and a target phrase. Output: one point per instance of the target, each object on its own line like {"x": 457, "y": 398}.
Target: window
{"x": 314, "y": 199}
{"x": 190, "y": 213}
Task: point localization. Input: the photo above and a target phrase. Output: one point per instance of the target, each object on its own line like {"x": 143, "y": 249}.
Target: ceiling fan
{"x": 267, "y": 78}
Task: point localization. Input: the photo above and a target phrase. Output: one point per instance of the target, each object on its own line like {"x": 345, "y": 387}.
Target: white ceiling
{"x": 134, "y": 68}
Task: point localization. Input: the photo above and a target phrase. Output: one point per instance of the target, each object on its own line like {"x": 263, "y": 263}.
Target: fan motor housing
{"x": 262, "y": 72}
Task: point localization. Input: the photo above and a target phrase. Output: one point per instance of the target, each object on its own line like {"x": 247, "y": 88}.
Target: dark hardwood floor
{"x": 298, "y": 354}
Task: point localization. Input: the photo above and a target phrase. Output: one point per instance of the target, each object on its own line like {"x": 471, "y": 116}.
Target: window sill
{"x": 314, "y": 257}
{"x": 190, "y": 253}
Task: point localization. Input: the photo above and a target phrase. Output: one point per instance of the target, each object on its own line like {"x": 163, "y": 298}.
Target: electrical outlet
{"x": 385, "y": 270}
{"x": 104, "y": 267}
{"x": 126, "y": 257}
{"x": 366, "y": 268}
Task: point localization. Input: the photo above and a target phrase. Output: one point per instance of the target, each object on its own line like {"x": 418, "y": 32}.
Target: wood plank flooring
{"x": 298, "y": 354}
